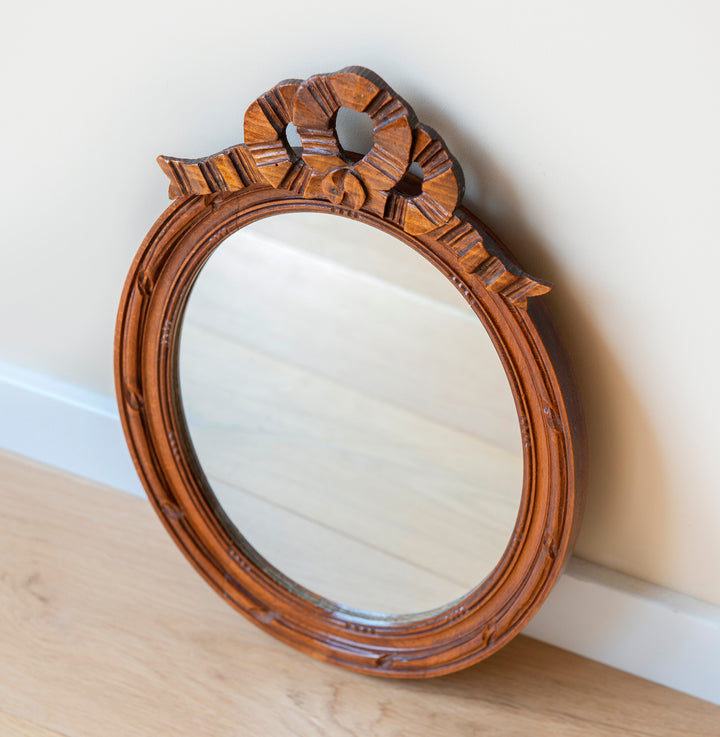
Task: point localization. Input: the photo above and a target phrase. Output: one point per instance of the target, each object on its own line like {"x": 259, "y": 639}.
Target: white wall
{"x": 588, "y": 136}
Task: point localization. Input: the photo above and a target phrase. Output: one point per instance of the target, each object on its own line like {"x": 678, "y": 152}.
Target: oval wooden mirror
{"x": 354, "y": 417}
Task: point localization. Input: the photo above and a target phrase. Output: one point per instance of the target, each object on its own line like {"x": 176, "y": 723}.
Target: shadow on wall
{"x": 628, "y": 494}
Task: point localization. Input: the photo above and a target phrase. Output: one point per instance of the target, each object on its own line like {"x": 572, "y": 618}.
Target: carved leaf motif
{"x": 262, "y": 614}
{"x": 385, "y": 661}
{"x": 172, "y": 511}
{"x": 550, "y": 546}
{"x": 133, "y": 398}
{"x": 552, "y": 418}
{"x": 489, "y": 633}
{"x": 145, "y": 283}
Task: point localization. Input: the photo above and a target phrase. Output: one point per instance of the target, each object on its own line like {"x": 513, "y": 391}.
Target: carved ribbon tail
{"x": 227, "y": 171}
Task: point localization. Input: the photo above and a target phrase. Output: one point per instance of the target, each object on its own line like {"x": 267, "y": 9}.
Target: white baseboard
{"x": 638, "y": 627}
{"x": 607, "y": 616}
{"x": 64, "y": 426}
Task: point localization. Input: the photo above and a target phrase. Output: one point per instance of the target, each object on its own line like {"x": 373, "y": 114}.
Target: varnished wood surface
{"x": 106, "y": 630}
{"x": 219, "y": 195}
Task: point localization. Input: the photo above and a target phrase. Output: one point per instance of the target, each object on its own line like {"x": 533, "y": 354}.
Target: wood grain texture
{"x": 96, "y": 641}
{"x": 11, "y": 726}
{"x": 378, "y": 182}
{"x": 461, "y": 248}
{"x": 148, "y": 391}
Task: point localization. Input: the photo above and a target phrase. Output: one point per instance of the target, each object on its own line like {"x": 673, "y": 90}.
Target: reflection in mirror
{"x": 350, "y": 413}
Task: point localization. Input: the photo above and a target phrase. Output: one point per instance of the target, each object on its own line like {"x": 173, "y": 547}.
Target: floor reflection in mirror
{"x": 350, "y": 413}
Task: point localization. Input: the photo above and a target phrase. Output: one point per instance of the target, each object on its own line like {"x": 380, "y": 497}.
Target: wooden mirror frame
{"x": 216, "y": 196}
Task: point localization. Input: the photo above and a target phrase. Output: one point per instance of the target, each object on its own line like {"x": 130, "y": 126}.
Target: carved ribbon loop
{"x": 266, "y": 122}
{"x": 315, "y": 109}
{"x": 442, "y": 186}
{"x": 375, "y": 182}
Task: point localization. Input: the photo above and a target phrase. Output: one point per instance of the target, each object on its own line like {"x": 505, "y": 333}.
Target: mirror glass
{"x": 350, "y": 413}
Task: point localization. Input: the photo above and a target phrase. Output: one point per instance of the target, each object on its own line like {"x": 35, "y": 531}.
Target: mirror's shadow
{"x": 350, "y": 413}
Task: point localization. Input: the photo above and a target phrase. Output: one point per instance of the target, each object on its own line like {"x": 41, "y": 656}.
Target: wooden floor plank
{"x": 106, "y": 630}
{"x": 11, "y": 726}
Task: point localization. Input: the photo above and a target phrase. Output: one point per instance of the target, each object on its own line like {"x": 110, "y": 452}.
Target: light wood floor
{"x": 106, "y": 630}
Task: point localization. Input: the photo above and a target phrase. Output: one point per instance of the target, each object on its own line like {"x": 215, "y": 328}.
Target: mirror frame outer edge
{"x": 146, "y": 349}
{"x": 547, "y": 402}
